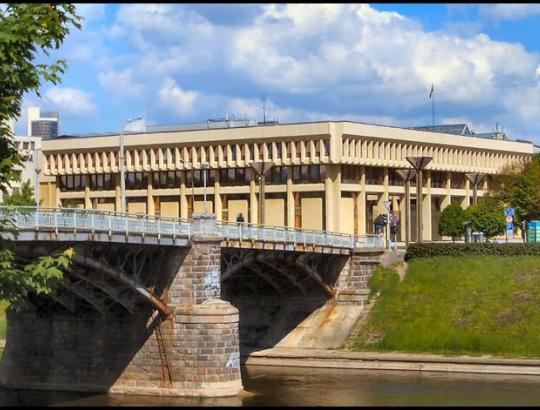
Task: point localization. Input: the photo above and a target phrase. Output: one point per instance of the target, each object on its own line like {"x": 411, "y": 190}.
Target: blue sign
{"x": 509, "y": 211}
{"x": 510, "y": 226}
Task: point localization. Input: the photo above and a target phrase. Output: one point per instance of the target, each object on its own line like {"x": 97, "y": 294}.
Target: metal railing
{"x": 73, "y": 219}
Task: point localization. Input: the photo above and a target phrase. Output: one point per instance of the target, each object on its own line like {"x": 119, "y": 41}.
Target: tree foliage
{"x": 21, "y": 197}
{"x": 28, "y": 32}
{"x": 451, "y": 221}
{"x": 487, "y": 216}
{"x": 518, "y": 186}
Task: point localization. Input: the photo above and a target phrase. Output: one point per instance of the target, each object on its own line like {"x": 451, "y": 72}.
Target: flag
{"x": 431, "y": 92}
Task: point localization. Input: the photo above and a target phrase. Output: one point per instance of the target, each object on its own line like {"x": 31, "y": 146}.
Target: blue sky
{"x": 181, "y": 63}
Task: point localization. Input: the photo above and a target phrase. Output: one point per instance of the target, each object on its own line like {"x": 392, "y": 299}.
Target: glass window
{"x": 374, "y": 176}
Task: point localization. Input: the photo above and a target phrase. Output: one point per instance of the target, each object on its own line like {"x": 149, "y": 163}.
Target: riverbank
{"x": 320, "y": 358}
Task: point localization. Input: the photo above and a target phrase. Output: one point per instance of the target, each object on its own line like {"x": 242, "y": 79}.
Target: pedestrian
{"x": 240, "y": 221}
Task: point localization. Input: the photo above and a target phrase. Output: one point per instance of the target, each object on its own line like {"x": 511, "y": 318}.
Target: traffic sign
{"x": 388, "y": 205}
{"x": 509, "y": 219}
{"x": 510, "y": 226}
{"x": 394, "y": 219}
{"x": 509, "y": 211}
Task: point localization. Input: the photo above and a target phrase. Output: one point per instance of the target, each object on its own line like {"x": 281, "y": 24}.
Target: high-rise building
{"x": 42, "y": 124}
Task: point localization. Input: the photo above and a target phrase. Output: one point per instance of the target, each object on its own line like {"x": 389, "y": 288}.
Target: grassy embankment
{"x": 457, "y": 305}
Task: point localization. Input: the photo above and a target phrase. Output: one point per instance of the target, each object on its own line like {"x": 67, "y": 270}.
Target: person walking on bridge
{"x": 240, "y": 221}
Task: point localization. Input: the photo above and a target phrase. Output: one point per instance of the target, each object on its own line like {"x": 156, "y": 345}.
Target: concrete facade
{"x": 327, "y": 175}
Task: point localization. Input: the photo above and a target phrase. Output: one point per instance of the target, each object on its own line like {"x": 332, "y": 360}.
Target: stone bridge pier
{"x": 149, "y": 319}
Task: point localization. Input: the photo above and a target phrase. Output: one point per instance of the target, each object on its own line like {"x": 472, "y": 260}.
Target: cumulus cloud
{"x": 72, "y": 101}
{"x": 319, "y": 61}
{"x": 172, "y": 96}
{"x": 121, "y": 82}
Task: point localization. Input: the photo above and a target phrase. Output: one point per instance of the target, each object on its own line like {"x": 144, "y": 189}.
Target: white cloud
{"x": 121, "y": 82}
{"x": 346, "y": 59}
{"x": 172, "y": 96}
{"x": 71, "y": 101}
{"x": 510, "y": 11}
{"x": 91, "y": 12}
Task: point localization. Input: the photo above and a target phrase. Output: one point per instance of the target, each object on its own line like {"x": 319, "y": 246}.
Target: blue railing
{"x": 72, "y": 219}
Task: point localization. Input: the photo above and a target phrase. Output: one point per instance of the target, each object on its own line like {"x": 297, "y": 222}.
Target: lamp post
{"x": 261, "y": 169}
{"x": 419, "y": 164}
{"x": 37, "y": 155}
{"x": 122, "y": 165}
{"x": 475, "y": 178}
{"x": 192, "y": 186}
{"x": 205, "y": 168}
{"x": 407, "y": 175}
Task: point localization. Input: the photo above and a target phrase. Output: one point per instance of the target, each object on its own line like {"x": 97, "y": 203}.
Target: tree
{"x": 27, "y": 30}
{"x": 451, "y": 221}
{"x": 487, "y": 216}
{"x": 22, "y": 197}
{"x": 518, "y": 186}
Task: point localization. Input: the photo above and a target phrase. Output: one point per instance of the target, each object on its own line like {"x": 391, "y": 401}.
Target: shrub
{"x": 426, "y": 250}
{"x": 451, "y": 221}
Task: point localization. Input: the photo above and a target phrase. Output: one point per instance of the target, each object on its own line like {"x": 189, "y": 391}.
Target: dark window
{"x": 235, "y": 176}
{"x": 276, "y": 176}
{"x": 374, "y": 176}
{"x": 457, "y": 181}
{"x": 438, "y": 179}
{"x": 136, "y": 180}
{"x": 349, "y": 174}
{"x": 309, "y": 173}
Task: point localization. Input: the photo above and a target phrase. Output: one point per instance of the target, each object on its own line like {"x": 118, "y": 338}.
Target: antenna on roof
{"x": 264, "y": 109}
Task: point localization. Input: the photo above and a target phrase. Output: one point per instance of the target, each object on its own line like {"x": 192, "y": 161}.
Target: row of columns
{"x": 50, "y": 194}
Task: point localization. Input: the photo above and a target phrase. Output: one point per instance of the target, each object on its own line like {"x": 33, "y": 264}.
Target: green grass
{"x": 3, "y": 307}
{"x": 457, "y": 305}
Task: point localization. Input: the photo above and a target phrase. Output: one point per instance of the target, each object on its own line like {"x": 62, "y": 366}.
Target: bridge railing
{"x": 246, "y": 231}
{"x": 27, "y": 217}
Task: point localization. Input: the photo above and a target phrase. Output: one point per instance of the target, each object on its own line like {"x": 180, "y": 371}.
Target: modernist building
{"x": 326, "y": 175}
{"x": 42, "y": 124}
{"x": 29, "y": 148}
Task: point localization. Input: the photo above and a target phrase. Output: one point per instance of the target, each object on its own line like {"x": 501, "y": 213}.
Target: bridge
{"x": 155, "y": 305}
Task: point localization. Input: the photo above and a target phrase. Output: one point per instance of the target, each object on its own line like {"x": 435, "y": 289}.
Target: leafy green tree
{"x": 518, "y": 186}
{"x": 487, "y": 216}
{"x": 22, "y": 197}
{"x": 451, "y": 221}
{"x": 27, "y": 31}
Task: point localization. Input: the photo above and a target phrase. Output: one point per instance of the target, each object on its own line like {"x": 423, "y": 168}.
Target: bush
{"x": 451, "y": 221}
{"x": 427, "y": 250}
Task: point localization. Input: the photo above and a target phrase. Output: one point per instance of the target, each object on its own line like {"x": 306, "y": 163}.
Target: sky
{"x": 376, "y": 63}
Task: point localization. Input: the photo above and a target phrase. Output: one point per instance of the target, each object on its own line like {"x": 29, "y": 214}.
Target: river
{"x": 288, "y": 386}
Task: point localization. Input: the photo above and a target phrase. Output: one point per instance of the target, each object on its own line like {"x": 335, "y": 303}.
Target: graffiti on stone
{"x": 212, "y": 280}
{"x": 234, "y": 361}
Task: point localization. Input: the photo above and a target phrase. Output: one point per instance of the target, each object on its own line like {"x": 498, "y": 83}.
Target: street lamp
{"x": 419, "y": 163}
{"x": 192, "y": 186}
{"x": 407, "y": 175}
{"x": 122, "y": 165}
{"x": 37, "y": 155}
{"x": 261, "y": 169}
{"x": 475, "y": 178}
{"x": 205, "y": 168}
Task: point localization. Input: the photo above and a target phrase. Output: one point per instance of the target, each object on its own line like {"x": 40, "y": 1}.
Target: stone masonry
{"x": 194, "y": 352}
{"x": 352, "y": 284}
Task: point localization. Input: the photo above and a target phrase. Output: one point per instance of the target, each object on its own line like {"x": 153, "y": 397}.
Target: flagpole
{"x": 433, "y": 105}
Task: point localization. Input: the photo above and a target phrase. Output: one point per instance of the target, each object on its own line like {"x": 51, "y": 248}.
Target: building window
{"x": 457, "y": 181}
{"x": 136, "y": 180}
{"x": 393, "y": 177}
{"x": 438, "y": 179}
{"x": 349, "y": 174}
{"x": 374, "y": 176}
{"x": 276, "y": 176}
{"x": 235, "y": 176}
{"x": 101, "y": 182}
{"x": 71, "y": 183}
{"x": 309, "y": 174}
